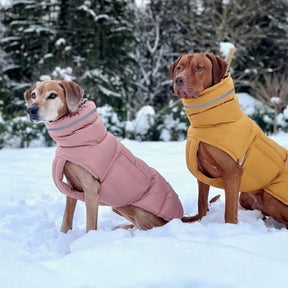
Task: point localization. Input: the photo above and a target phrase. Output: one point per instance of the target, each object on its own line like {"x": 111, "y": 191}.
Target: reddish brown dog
{"x": 191, "y": 74}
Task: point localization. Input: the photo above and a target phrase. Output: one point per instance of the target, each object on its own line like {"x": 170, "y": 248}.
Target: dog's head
{"x": 52, "y": 99}
{"x": 192, "y": 73}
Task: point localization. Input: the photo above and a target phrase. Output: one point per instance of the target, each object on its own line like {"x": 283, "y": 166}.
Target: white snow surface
{"x": 208, "y": 254}
{"x": 248, "y": 103}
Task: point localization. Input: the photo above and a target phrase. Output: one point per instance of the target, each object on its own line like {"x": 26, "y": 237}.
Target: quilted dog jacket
{"x": 125, "y": 179}
{"x": 216, "y": 119}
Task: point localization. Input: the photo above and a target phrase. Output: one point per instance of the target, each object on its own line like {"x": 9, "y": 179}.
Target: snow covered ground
{"x": 210, "y": 254}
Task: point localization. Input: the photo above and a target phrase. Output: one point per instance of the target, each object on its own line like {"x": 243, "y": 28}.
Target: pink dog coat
{"x": 125, "y": 179}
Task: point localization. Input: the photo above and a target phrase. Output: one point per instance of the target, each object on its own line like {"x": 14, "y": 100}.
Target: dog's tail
{"x": 230, "y": 57}
{"x": 214, "y": 199}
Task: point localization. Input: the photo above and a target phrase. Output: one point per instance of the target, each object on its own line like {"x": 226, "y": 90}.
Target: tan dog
{"x": 51, "y": 102}
{"x": 196, "y": 80}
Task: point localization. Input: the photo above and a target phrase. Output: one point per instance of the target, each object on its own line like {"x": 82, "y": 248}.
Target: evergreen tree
{"x": 96, "y": 39}
{"x": 27, "y": 38}
{"x": 26, "y": 42}
{"x": 90, "y": 42}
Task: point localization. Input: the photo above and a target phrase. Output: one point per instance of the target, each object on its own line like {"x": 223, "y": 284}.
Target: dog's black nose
{"x": 33, "y": 113}
{"x": 180, "y": 80}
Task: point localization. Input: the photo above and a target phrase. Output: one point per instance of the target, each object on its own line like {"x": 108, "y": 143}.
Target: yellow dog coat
{"x": 217, "y": 119}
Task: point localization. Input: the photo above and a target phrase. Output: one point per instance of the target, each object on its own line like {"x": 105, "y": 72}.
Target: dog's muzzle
{"x": 179, "y": 81}
{"x": 33, "y": 113}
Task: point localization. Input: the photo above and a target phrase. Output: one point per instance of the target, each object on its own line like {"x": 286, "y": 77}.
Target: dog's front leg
{"x": 203, "y": 192}
{"x": 218, "y": 164}
{"x": 83, "y": 181}
{"x": 67, "y": 221}
{"x": 92, "y": 204}
{"x": 231, "y": 186}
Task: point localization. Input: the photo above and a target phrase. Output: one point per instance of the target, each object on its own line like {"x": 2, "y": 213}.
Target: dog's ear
{"x": 219, "y": 67}
{"x": 27, "y": 95}
{"x": 73, "y": 93}
{"x": 172, "y": 67}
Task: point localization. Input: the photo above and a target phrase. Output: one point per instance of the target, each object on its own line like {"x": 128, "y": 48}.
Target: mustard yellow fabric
{"x": 216, "y": 118}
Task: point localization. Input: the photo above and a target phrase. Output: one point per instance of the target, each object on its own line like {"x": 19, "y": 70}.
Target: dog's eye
{"x": 52, "y": 96}
{"x": 33, "y": 95}
{"x": 199, "y": 68}
{"x": 178, "y": 68}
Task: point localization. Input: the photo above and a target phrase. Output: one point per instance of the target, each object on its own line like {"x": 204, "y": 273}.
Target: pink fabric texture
{"x": 124, "y": 178}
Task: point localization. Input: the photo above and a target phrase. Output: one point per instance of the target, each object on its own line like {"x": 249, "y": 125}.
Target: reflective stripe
{"x": 74, "y": 122}
{"x": 210, "y": 102}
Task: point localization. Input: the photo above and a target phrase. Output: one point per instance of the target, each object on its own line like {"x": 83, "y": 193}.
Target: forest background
{"x": 120, "y": 51}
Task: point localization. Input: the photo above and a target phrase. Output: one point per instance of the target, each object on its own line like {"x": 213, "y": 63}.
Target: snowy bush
{"x": 264, "y": 116}
{"x": 20, "y": 132}
{"x": 168, "y": 124}
{"x": 282, "y": 120}
{"x": 173, "y": 123}
{"x": 59, "y": 73}
{"x": 140, "y": 127}
{"x": 111, "y": 120}
{"x": 172, "y": 129}
{"x": 3, "y": 132}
